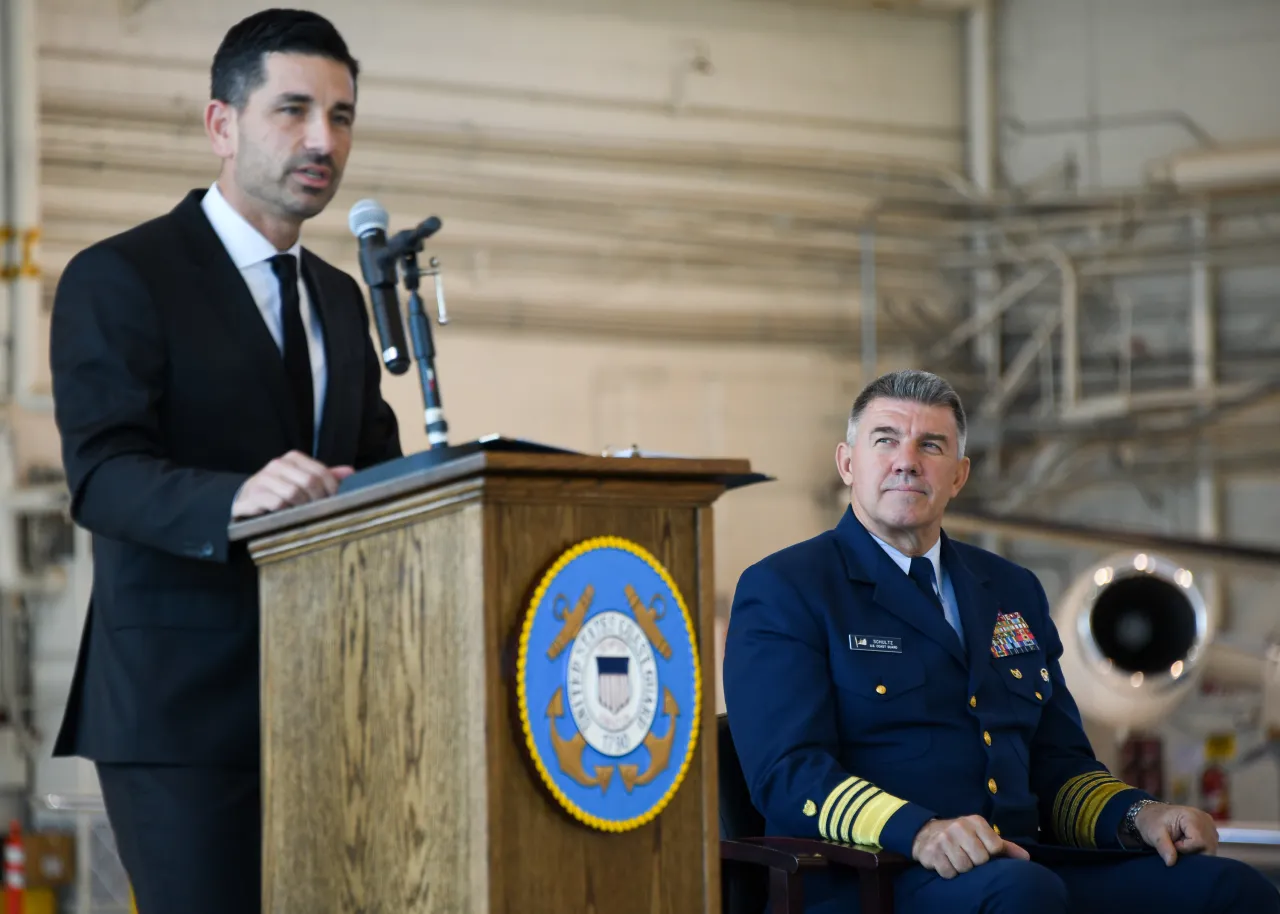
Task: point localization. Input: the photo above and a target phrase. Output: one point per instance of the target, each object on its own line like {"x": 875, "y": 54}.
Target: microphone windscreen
{"x": 367, "y": 215}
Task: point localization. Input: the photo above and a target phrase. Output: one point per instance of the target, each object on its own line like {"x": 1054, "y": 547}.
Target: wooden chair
{"x": 765, "y": 875}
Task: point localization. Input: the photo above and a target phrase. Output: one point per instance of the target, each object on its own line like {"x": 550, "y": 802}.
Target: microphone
{"x": 368, "y": 221}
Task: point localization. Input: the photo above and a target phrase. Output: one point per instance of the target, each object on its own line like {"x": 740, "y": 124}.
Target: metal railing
{"x": 101, "y": 886}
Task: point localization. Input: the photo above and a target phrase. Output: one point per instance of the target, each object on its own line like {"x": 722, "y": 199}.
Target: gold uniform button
{"x": 1039, "y": 697}
{"x": 1044, "y": 674}
{"x": 973, "y": 701}
{"x": 986, "y": 737}
{"x": 995, "y": 828}
{"x": 991, "y": 785}
{"x": 1017, "y": 674}
{"x": 880, "y": 690}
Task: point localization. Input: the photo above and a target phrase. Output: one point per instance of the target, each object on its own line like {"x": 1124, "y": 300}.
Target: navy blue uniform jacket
{"x": 859, "y": 715}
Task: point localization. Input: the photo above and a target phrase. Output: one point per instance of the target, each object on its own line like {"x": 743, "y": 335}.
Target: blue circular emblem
{"x": 609, "y": 685}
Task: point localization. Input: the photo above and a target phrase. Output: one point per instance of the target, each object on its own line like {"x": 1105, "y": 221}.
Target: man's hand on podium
{"x": 291, "y": 480}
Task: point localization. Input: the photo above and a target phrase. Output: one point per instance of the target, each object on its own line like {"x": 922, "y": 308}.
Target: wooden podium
{"x": 395, "y": 778}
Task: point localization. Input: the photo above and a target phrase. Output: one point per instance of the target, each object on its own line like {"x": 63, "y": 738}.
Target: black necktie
{"x": 922, "y": 573}
{"x": 297, "y": 359}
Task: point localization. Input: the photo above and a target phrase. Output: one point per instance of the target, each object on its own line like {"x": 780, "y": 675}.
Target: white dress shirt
{"x": 252, "y": 252}
{"x": 941, "y": 580}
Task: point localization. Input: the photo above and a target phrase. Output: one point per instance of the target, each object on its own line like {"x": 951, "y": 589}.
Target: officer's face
{"x": 903, "y": 469}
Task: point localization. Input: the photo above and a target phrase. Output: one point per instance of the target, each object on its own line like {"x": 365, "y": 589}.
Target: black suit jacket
{"x": 169, "y": 393}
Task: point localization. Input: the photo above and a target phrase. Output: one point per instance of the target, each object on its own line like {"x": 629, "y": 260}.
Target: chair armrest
{"x": 850, "y": 855}
{"x": 749, "y": 850}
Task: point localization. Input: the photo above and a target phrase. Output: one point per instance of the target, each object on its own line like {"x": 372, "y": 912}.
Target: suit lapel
{"x": 978, "y": 608}
{"x": 221, "y": 286}
{"x": 894, "y": 591}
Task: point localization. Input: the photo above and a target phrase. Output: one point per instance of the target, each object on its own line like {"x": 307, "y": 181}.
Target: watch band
{"x": 1131, "y": 818}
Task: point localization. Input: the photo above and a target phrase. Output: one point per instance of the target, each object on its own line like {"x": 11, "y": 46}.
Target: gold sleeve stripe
{"x": 1079, "y": 804}
{"x": 1069, "y": 795}
{"x": 1073, "y": 796}
{"x": 874, "y": 815}
{"x": 834, "y": 803}
{"x": 856, "y": 811}
{"x": 1076, "y": 812}
{"x": 1087, "y": 823}
{"x": 844, "y": 818}
{"x": 844, "y": 827}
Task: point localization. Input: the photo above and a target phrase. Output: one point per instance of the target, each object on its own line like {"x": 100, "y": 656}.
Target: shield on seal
{"x": 613, "y": 683}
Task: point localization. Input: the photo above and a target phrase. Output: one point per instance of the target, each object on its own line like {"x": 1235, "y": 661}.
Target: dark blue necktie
{"x": 922, "y": 573}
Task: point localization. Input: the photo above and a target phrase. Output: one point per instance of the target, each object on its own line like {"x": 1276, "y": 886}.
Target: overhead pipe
{"x": 1129, "y": 258}
{"x": 1125, "y": 121}
{"x": 20, "y": 281}
{"x": 1204, "y": 345}
{"x": 19, "y": 110}
{"x": 1242, "y": 166}
{"x": 10, "y": 246}
{"x": 1116, "y": 211}
{"x": 1224, "y": 555}
{"x": 868, "y": 306}
{"x": 983, "y": 161}
{"x": 980, "y": 94}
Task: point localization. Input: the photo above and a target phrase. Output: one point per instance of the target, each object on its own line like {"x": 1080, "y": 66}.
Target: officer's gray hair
{"x": 913, "y": 385}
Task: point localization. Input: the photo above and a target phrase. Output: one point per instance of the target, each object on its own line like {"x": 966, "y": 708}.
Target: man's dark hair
{"x": 915, "y": 386}
{"x": 238, "y": 66}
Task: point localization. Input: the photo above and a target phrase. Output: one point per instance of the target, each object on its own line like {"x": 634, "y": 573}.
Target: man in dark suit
{"x": 207, "y": 368}
{"x": 886, "y": 685}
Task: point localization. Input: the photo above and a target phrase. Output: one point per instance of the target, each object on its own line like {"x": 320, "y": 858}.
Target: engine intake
{"x": 1135, "y": 630}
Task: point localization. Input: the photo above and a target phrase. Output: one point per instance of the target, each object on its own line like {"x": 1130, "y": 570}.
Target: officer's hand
{"x": 953, "y": 846}
{"x": 1174, "y": 830}
{"x": 293, "y": 479}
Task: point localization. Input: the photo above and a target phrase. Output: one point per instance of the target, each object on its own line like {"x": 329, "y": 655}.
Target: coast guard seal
{"x": 608, "y": 684}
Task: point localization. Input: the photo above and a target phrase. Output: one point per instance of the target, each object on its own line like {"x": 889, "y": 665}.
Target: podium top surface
{"x": 493, "y": 456}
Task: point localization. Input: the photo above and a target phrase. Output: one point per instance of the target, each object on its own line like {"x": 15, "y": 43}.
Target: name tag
{"x": 875, "y": 643}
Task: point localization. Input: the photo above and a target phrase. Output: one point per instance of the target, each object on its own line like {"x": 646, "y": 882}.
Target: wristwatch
{"x": 1130, "y": 826}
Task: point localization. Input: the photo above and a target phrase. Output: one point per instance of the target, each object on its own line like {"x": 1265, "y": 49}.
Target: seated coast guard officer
{"x": 886, "y": 685}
